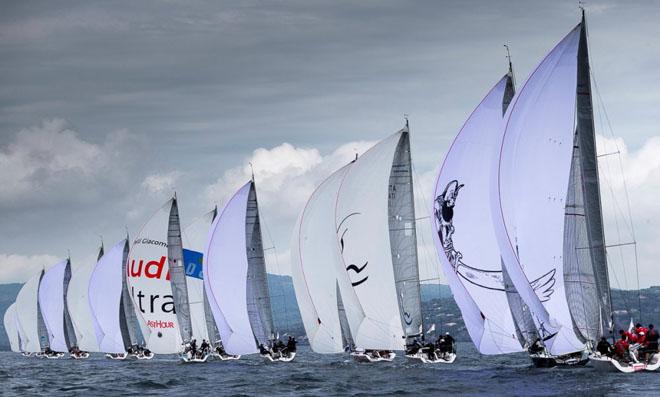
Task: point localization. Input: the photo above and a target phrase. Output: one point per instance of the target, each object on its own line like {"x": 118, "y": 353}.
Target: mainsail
{"x": 178, "y": 273}
{"x": 464, "y": 236}
{"x": 530, "y": 188}
{"x": 52, "y": 301}
{"x": 11, "y": 328}
{"x": 30, "y": 323}
{"x": 78, "y": 305}
{"x": 105, "y": 299}
{"x": 148, "y": 281}
{"x": 318, "y": 272}
{"x": 363, "y": 230}
{"x": 235, "y": 278}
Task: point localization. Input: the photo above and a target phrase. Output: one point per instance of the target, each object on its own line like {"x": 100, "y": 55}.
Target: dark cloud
{"x": 200, "y": 85}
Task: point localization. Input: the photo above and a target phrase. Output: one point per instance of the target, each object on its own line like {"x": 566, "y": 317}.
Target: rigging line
{"x": 608, "y": 154}
{"x": 625, "y": 189}
{"x": 279, "y": 271}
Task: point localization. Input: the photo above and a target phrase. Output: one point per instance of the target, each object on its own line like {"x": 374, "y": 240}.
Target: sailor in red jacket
{"x": 621, "y": 347}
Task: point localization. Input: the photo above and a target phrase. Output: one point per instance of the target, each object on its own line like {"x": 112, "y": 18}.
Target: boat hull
{"x": 363, "y": 357}
{"x": 441, "y": 358}
{"x": 284, "y": 359}
{"x": 604, "y": 363}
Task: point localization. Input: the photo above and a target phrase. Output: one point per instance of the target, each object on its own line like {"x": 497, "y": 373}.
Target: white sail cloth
{"x": 194, "y": 239}
{"x": 51, "y": 302}
{"x": 11, "y": 328}
{"x": 27, "y": 314}
{"x": 529, "y": 191}
{"x": 464, "y": 236}
{"x": 79, "y": 310}
{"x": 317, "y": 268}
{"x": 148, "y": 281}
{"x": 105, "y": 291}
{"x": 363, "y": 231}
{"x": 225, "y": 279}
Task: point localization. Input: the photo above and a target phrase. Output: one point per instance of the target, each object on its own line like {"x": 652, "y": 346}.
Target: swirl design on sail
{"x": 352, "y": 267}
{"x": 490, "y": 279}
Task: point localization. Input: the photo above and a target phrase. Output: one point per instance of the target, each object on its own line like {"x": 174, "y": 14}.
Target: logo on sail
{"x": 490, "y": 279}
{"x": 342, "y": 231}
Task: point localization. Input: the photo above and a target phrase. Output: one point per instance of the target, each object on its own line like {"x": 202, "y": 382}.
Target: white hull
{"x": 440, "y": 358}
{"x": 145, "y": 356}
{"x": 609, "y": 364}
{"x": 186, "y": 358}
{"x": 363, "y": 357}
{"x": 280, "y": 358}
{"x": 117, "y": 356}
{"x": 54, "y": 356}
{"x": 80, "y": 356}
{"x": 225, "y": 357}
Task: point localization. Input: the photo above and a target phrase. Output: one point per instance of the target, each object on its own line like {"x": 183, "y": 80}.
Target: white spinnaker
{"x": 225, "y": 279}
{"x": 11, "y": 328}
{"x": 148, "y": 281}
{"x": 51, "y": 301}
{"x": 27, "y": 313}
{"x": 194, "y": 238}
{"x": 530, "y": 187}
{"x": 316, "y": 267}
{"x": 464, "y": 236}
{"x": 363, "y": 230}
{"x": 79, "y": 310}
{"x": 105, "y": 289}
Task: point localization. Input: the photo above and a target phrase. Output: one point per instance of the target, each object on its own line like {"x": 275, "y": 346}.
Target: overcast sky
{"x": 107, "y": 107}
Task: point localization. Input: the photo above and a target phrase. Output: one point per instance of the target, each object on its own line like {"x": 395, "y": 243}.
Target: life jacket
{"x": 631, "y": 337}
{"x": 621, "y": 346}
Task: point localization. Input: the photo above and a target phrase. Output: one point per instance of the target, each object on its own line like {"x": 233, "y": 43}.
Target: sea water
{"x": 313, "y": 375}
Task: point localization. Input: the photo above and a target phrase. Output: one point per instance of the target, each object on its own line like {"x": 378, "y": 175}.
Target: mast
{"x": 586, "y": 140}
{"x": 178, "y": 273}
{"x": 258, "y": 297}
{"x": 403, "y": 239}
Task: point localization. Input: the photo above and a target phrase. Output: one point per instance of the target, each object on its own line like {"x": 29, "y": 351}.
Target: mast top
{"x": 251, "y": 172}
{"x": 508, "y": 57}
{"x": 405, "y": 117}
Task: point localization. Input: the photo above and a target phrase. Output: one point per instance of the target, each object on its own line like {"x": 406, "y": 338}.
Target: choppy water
{"x": 313, "y": 375}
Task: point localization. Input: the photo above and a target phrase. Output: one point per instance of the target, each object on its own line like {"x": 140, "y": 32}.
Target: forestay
{"x": 53, "y": 308}
{"x": 105, "y": 294}
{"x": 30, "y": 322}
{"x": 363, "y": 231}
{"x": 530, "y": 190}
{"x": 11, "y": 328}
{"x": 464, "y": 236}
{"x": 78, "y": 305}
{"x": 317, "y": 267}
{"x": 148, "y": 281}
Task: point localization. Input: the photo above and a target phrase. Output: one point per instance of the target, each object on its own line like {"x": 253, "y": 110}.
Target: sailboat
{"x": 179, "y": 285}
{"x": 30, "y": 323}
{"x": 354, "y": 295}
{"x": 53, "y": 305}
{"x": 236, "y": 282}
{"x": 79, "y": 310}
{"x": 546, "y": 204}
{"x": 496, "y": 319}
{"x": 148, "y": 280}
{"x": 10, "y": 322}
{"x": 113, "y": 315}
{"x": 204, "y": 327}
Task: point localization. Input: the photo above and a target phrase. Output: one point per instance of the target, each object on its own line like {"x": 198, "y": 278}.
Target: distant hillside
{"x": 438, "y": 307}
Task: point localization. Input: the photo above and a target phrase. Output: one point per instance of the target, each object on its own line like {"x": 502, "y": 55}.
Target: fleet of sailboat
{"x": 518, "y": 227}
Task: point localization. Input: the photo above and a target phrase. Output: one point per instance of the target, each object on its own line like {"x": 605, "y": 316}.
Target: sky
{"x": 107, "y": 108}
